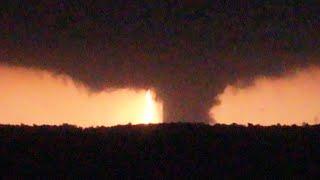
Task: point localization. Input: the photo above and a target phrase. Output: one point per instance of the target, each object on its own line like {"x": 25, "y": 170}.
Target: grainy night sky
{"x": 187, "y": 51}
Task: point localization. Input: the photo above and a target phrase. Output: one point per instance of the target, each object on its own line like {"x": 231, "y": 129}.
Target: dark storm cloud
{"x": 187, "y": 51}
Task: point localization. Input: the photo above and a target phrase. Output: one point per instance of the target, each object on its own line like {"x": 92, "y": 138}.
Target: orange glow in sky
{"x": 31, "y": 96}
{"x": 292, "y": 99}
{"x": 37, "y": 97}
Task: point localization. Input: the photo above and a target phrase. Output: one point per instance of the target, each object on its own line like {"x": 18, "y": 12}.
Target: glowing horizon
{"x": 291, "y": 99}
{"x": 31, "y": 96}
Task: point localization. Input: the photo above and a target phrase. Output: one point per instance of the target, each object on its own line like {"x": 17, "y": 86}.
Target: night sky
{"x": 186, "y": 51}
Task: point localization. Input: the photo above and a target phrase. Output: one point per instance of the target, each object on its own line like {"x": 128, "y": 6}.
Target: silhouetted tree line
{"x": 155, "y": 151}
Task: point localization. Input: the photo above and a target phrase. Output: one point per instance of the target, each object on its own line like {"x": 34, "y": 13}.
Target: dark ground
{"x": 166, "y": 150}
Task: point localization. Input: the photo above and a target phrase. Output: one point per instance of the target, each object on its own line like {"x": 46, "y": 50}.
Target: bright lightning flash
{"x": 150, "y": 108}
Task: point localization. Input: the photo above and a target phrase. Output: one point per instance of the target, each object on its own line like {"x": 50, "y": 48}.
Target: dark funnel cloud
{"x": 187, "y": 51}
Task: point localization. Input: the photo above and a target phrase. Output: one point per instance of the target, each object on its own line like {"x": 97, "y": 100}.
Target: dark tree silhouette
{"x": 160, "y": 151}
